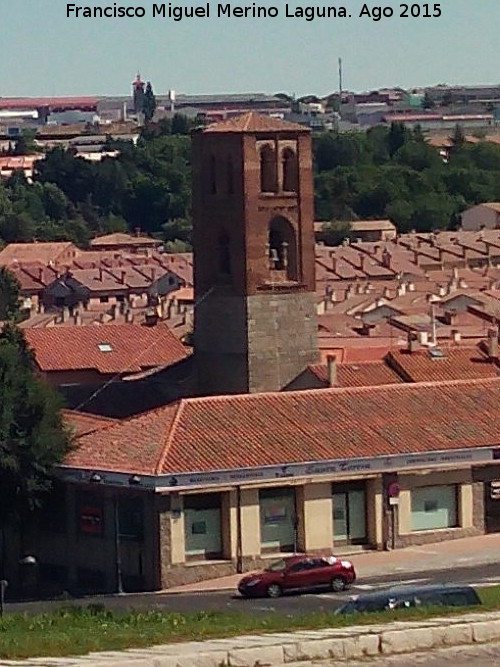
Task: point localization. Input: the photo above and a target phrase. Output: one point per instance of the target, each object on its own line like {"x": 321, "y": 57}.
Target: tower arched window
{"x": 213, "y": 175}
{"x": 267, "y": 170}
{"x": 290, "y": 170}
{"x": 282, "y": 248}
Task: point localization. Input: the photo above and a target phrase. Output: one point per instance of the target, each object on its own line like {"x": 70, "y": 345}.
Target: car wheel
{"x": 273, "y": 591}
{"x": 337, "y": 584}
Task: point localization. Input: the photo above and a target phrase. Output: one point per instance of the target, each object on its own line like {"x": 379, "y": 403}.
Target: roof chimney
{"x": 456, "y": 336}
{"x": 413, "y": 342}
{"x": 493, "y": 343}
{"x": 331, "y": 362}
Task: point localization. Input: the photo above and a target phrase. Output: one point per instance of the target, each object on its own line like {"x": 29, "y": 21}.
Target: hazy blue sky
{"x": 45, "y": 53}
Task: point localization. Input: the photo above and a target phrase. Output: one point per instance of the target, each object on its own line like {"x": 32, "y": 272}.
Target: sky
{"x": 46, "y": 53}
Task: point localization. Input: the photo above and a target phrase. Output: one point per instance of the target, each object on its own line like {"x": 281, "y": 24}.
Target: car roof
{"x": 412, "y": 590}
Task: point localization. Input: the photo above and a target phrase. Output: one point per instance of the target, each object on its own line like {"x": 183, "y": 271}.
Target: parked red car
{"x": 296, "y": 573}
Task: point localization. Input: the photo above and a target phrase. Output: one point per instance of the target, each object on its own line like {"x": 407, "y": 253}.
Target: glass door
{"x": 349, "y": 516}
{"x": 340, "y": 531}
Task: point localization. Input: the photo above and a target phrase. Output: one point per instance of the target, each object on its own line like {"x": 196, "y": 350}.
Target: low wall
{"x": 304, "y": 647}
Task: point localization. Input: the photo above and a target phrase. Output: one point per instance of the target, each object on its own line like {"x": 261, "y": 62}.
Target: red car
{"x": 296, "y": 573}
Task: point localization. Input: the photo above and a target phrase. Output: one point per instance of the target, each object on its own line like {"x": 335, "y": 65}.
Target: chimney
{"x": 129, "y": 317}
{"x": 416, "y": 257}
{"x": 423, "y": 337}
{"x": 40, "y": 275}
{"x": 450, "y": 317}
{"x": 456, "y": 336}
{"x": 493, "y": 343}
{"x": 402, "y": 289}
{"x": 113, "y": 310}
{"x": 122, "y": 278}
{"x": 387, "y": 293}
{"x": 443, "y": 290}
{"x": 331, "y": 363}
{"x": 413, "y": 342}
{"x": 64, "y": 314}
{"x": 77, "y": 318}
{"x": 411, "y": 287}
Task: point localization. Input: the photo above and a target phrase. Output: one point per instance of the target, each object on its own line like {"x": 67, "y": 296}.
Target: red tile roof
{"x": 458, "y": 363}
{"x": 253, "y": 430}
{"x": 133, "y": 347}
{"x": 255, "y": 122}
{"x": 119, "y": 238}
{"x": 368, "y": 374}
{"x": 26, "y": 253}
{"x": 81, "y": 422}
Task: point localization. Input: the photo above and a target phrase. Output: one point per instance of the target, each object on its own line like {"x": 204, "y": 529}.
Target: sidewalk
{"x": 469, "y": 551}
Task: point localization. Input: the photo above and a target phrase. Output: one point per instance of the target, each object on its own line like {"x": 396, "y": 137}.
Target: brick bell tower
{"x": 254, "y": 269}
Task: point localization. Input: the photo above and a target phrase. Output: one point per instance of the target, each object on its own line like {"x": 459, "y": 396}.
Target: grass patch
{"x": 74, "y": 630}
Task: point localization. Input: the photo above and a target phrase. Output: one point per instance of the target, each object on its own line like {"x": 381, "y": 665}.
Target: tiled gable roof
{"x": 457, "y": 363}
{"x": 125, "y": 348}
{"x": 81, "y": 422}
{"x": 254, "y": 122}
{"x": 368, "y": 374}
{"x": 125, "y": 239}
{"x": 253, "y": 430}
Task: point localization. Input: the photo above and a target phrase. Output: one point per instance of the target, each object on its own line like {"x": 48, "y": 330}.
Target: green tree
{"x": 457, "y": 138}
{"x": 10, "y": 295}
{"x": 149, "y": 104}
{"x": 33, "y": 439}
{"x": 398, "y": 136}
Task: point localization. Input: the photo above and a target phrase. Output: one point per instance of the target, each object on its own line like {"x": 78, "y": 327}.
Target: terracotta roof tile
{"x": 81, "y": 422}
{"x": 25, "y": 253}
{"x": 114, "y": 348}
{"x": 367, "y": 374}
{"x": 125, "y": 239}
{"x": 254, "y": 122}
{"x": 458, "y": 363}
{"x": 220, "y": 433}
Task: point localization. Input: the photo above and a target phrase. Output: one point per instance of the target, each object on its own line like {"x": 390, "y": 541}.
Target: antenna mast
{"x": 340, "y": 80}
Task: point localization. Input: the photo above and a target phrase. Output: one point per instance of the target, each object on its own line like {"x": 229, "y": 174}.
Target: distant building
{"x": 482, "y": 216}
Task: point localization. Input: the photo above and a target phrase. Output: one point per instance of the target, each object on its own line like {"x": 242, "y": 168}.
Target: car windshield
{"x": 277, "y": 566}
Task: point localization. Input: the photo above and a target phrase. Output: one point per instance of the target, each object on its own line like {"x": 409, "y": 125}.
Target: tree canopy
{"x": 385, "y": 172}
{"x": 32, "y": 437}
{"x": 10, "y": 296}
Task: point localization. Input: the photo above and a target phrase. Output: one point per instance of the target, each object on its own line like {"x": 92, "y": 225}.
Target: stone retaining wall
{"x": 304, "y": 648}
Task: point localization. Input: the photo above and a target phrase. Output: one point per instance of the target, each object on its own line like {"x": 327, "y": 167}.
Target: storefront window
{"x": 202, "y": 524}
{"x": 278, "y": 521}
{"x": 434, "y": 507}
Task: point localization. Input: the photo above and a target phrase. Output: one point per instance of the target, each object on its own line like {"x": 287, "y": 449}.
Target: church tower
{"x": 254, "y": 269}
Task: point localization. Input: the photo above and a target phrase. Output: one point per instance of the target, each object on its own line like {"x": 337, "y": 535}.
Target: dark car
{"x": 407, "y": 597}
{"x": 297, "y": 573}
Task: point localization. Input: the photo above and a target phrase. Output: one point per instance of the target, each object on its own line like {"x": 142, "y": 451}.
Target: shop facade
{"x": 158, "y": 537}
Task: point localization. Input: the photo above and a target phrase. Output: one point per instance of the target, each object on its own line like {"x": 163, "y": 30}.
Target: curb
{"x": 303, "y": 648}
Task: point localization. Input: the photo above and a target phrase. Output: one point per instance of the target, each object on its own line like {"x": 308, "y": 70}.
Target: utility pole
{"x": 340, "y": 81}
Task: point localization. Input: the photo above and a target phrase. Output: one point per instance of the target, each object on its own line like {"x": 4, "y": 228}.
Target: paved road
{"x": 462, "y": 656}
{"x": 292, "y": 605}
